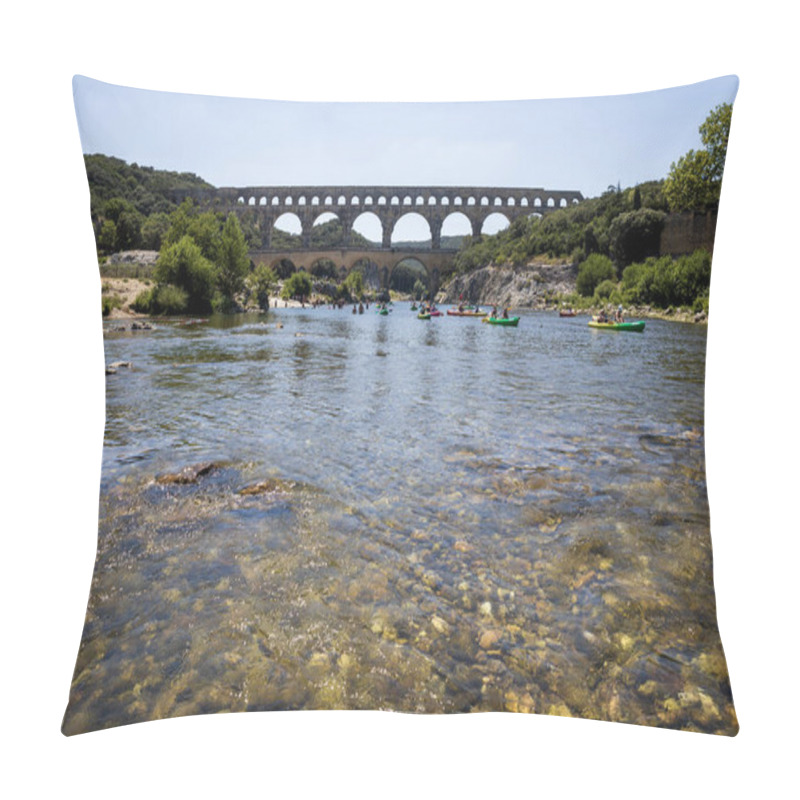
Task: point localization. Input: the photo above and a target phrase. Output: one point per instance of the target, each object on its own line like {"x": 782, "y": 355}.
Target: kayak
{"x": 436, "y": 313}
{"x": 414, "y": 307}
{"x": 619, "y": 326}
{"x": 502, "y": 320}
{"x": 423, "y": 315}
{"x": 383, "y": 312}
{"x": 567, "y": 314}
{"x": 454, "y": 313}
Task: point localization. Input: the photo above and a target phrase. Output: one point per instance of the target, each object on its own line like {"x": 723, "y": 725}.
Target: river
{"x": 423, "y": 516}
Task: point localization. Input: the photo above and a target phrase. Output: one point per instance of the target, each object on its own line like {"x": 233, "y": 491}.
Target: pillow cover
{"x": 404, "y": 407}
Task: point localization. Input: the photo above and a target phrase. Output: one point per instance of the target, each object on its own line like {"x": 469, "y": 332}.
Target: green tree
{"x": 182, "y": 264}
{"x": 694, "y": 182}
{"x": 592, "y": 272}
{"x": 107, "y": 237}
{"x": 297, "y": 285}
{"x": 635, "y": 235}
{"x": 154, "y": 228}
{"x": 232, "y": 260}
{"x": 354, "y": 284}
{"x": 261, "y": 283}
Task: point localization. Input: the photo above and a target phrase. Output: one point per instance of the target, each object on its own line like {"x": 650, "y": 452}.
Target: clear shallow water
{"x": 425, "y": 516}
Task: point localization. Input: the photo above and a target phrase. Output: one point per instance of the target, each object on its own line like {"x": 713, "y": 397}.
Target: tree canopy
{"x": 695, "y": 180}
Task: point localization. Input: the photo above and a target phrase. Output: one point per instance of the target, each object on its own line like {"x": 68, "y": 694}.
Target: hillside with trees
{"x": 615, "y": 238}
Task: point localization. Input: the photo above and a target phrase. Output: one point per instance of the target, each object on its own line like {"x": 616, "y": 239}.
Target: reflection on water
{"x": 425, "y": 516}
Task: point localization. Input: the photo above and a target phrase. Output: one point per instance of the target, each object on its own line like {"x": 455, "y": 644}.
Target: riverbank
{"x": 541, "y": 287}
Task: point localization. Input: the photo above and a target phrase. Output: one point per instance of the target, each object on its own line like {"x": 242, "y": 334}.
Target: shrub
{"x": 592, "y": 272}
{"x": 605, "y": 289}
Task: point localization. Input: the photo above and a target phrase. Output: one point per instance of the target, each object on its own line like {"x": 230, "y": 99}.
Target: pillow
{"x": 404, "y": 407}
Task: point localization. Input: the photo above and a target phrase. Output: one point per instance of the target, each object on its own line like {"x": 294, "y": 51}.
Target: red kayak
{"x": 563, "y": 313}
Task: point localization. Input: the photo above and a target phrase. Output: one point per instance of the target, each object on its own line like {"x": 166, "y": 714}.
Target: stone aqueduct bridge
{"x": 265, "y": 204}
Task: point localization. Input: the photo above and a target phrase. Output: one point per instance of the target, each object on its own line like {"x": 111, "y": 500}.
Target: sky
{"x": 584, "y": 144}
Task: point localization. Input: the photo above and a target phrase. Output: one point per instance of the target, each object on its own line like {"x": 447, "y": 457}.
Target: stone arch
{"x": 431, "y": 201}
{"x": 420, "y": 201}
{"x": 405, "y": 272}
{"x": 323, "y": 267}
{"x": 367, "y": 221}
{"x": 412, "y": 221}
{"x": 283, "y": 267}
{"x": 368, "y": 200}
{"x": 524, "y": 202}
{"x": 315, "y": 200}
{"x": 301, "y": 201}
{"x": 276, "y": 201}
{"x": 341, "y": 201}
{"x": 370, "y": 272}
{"x": 381, "y": 201}
{"x": 456, "y": 223}
{"x": 491, "y": 222}
{"x": 328, "y": 201}
{"x": 407, "y": 200}
{"x": 471, "y": 201}
{"x": 484, "y": 201}
{"x": 355, "y": 201}
{"x": 395, "y": 201}
{"x": 288, "y": 222}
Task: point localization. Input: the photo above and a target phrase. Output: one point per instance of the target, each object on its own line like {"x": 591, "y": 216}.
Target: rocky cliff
{"x": 531, "y": 286}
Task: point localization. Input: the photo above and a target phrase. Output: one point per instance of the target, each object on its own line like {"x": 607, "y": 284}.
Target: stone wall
{"x": 687, "y": 232}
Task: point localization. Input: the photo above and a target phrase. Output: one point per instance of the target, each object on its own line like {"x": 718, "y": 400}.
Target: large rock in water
{"x": 518, "y": 287}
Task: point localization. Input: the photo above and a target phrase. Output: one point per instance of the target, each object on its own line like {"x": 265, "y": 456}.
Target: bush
{"x": 183, "y": 265}
{"x": 143, "y": 302}
{"x": 297, "y": 285}
{"x": 605, "y": 289}
{"x": 592, "y": 272}
{"x": 110, "y": 302}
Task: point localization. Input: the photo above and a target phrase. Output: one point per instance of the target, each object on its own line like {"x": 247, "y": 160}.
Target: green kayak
{"x": 514, "y": 321}
{"x": 619, "y": 326}
{"x": 383, "y": 312}
{"x": 423, "y": 316}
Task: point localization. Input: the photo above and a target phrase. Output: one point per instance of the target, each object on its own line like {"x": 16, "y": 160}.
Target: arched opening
{"x": 524, "y": 201}
{"x": 328, "y": 201}
{"x": 420, "y": 201}
{"x": 407, "y": 200}
{"x": 470, "y": 201}
{"x": 409, "y": 276}
{"x": 455, "y": 228}
{"x": 355, "y": 201}
{"x": 301, "y": 201}
{"x": 276, "y": 201}
{"x": 381, "y": 201}
{"x": 251, "y": 201}
{"x": 395, "y": 201}
{"x": 511, "y": 201}
{"x": 283, "y": 268}
{"x": 326, "y": 231}
{"x": 342, "y": 201}
{"x": 498, "y": 201}
{"x": 563, "y": 202}
{"x": 431, "y": 201}
{"x": 262, "y": 201}
{"x": 445, "y": 201}
{"x": 288, "y": 201}
{"x": 458, "y": 202}
{"x": 370, "y": 273}
{"x": 324, "y": 268}
{"x": 315, "y": 201}
{"x": 240, "y": 200}
{"x": 551, "y": 203}
{"x": 286, "y": 231}
{"x": 411, "y": 230}
{"x": 537, "y": 202}
{"x": 494, "y": 222}
{"x": 368, "y": 200}
{"x": 368, "y": 225}
{"x": 484, "y": 201}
